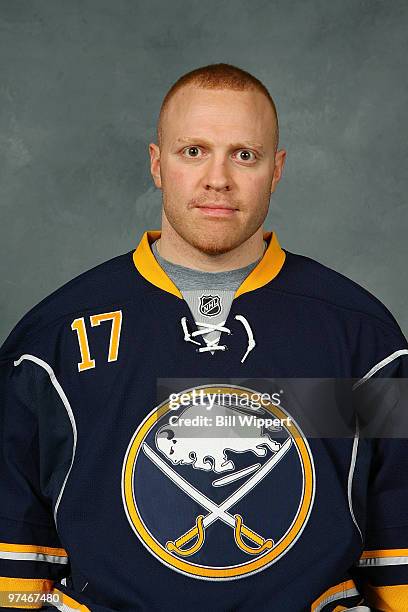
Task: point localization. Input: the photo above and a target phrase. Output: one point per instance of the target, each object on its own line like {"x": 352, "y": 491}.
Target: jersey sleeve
{"x": 32, "y": 557}
{"x": 382, "y": 571}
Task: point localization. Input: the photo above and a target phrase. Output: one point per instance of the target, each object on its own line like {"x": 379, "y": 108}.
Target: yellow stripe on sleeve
{"x": 31, "y": 594}
{"x": 390, "y": 552}
{"x": 388, "y": 598}
{"x": 344, "y": 589}
{"x": 22, "y": 592}
{"x": 47, "y": 550}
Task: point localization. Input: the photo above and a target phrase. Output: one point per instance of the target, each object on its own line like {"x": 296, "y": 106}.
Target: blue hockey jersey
{"x": 129, "y": 483}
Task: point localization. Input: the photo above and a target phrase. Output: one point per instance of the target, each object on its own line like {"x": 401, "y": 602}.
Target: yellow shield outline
{"x": 215, "y": 573}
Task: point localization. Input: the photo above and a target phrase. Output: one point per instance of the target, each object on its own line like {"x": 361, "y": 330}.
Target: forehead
{"x": 221, "y": 115}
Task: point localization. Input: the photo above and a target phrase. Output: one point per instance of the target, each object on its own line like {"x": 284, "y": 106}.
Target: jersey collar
{"x": 266, "y": 270}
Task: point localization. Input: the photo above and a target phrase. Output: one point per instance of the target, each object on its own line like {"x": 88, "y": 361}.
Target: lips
{"x": 216, "y": 210}
{"x": 216, "y": 206}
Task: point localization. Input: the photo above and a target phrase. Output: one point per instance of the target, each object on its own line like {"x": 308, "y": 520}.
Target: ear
{"x": 280, "y": 157}
{"x": 154, "y": 152}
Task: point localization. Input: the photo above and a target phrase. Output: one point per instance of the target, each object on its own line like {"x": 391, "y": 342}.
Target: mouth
{"x": 216, "y": 210}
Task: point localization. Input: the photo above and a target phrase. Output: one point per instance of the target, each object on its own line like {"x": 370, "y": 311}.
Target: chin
{"x": 212, "y": 247}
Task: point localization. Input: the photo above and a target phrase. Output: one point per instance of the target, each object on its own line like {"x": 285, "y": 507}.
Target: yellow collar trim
{"x": 269, "y": 266}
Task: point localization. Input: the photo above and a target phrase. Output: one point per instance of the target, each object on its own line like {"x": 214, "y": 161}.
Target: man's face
{"x": 218, "y": 149}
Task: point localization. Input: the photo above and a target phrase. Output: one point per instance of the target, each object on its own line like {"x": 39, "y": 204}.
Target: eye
{"x": 246, "y": 154}
{"x": 191, "y": 149}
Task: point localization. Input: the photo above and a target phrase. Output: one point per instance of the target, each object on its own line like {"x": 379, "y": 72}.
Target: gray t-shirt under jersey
{"x": 209, "y": 295}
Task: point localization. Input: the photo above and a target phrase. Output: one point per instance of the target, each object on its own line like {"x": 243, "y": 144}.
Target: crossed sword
{"x": 218, "y": 512}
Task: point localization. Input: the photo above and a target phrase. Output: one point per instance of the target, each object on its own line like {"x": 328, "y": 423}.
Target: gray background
{"x": 81, "y": 83}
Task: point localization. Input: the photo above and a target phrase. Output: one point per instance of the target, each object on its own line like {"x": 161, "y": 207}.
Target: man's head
{"x": 217, "y": 145}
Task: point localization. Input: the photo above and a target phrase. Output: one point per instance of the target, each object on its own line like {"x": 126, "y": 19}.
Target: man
{"x": 140, "y": 470}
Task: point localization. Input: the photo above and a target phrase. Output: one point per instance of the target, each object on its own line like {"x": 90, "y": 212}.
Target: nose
{"x": 217, "y": 176}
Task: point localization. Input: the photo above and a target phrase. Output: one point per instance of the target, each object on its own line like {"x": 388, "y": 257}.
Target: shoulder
{"x": 308, "y": 278}
{"x": 102, "y": 287}
{"x": 364, "y": 328}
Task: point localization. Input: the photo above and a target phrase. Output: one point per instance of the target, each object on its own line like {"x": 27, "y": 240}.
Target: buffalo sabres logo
{"x": 210, "y": 305}
{"x": 218, "y": 492}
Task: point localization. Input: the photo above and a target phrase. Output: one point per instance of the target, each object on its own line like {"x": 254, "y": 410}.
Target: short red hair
{"x": 217, "y": 76}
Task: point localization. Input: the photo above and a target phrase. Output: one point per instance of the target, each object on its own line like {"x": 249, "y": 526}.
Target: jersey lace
{"x": 212, "y": 345}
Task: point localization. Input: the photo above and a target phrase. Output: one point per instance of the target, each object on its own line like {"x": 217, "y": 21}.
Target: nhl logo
{"x": 210, "y": 305}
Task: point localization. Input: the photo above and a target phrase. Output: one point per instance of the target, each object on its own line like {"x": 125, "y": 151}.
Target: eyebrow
{"x": 234, "y": 145}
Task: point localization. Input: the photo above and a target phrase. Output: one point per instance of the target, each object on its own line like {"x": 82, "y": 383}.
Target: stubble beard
{"x": 225, "y": 239}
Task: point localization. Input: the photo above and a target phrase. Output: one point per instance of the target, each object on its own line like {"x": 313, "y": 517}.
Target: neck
{"x": 172, "y": 247}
